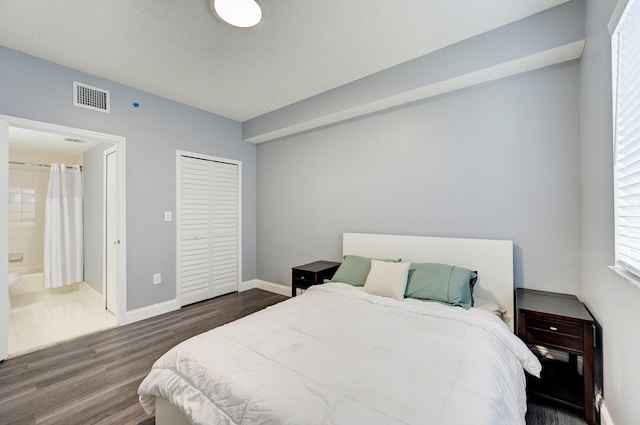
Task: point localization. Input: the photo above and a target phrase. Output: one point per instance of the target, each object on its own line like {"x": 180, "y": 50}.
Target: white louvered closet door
{"x": 208, "y": 233}
{"x": 195, "y": 217}
{"x": 224, "y": 228}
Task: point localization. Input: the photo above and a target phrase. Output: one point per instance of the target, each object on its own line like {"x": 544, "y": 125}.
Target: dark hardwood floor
{"x": 542, "y": 413}
{"x": 94, "y": 379}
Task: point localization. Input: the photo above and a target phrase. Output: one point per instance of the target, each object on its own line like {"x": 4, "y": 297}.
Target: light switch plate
{"x": 168, "y": 216}
{"x": 157, "y": 278}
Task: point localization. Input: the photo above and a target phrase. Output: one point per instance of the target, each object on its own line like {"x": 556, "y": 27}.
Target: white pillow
{"x": 387, "y": 279}
{"x": 489, "y": 306}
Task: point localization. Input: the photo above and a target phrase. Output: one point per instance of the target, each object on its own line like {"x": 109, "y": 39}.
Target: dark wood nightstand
{"x": 311, "y": 274}
{"x": 562, "y": 323}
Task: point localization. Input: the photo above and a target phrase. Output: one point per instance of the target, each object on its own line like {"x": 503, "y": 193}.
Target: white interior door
{"x": 112, "y": 241}
{"x": 194, "y": 220}
{"x": 208, "y": 228}
{"x": 224, "y": 228}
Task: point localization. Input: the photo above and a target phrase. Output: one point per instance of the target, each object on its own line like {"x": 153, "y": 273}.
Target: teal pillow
{"x": 440, "y": 282}
{"x": 354, "y": 270}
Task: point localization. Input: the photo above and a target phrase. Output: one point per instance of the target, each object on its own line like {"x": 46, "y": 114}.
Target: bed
{"x": 341, "y": 355}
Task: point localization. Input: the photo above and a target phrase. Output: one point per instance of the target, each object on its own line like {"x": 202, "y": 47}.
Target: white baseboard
{"x": 273, "y": 287}
{"x": 171, "y": 305}
{"x": 150, "y": 311}
{"x": 605, "y": 416}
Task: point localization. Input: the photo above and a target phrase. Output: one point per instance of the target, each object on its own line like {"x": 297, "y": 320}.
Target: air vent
{"x": 89, "y": 97}
{"x": 69, "y": 139}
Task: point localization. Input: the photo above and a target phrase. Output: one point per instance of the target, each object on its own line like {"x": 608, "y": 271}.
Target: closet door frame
{"x": 195, "y": 155}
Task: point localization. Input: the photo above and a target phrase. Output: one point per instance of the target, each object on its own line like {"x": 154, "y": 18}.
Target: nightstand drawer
{"x": 555, "y": 339}
{"x": 555, "y": 327}
{"x": 305, "y": 276}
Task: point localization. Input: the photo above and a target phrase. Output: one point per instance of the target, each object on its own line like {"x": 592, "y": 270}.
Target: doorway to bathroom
{"x": 42, "y": 311}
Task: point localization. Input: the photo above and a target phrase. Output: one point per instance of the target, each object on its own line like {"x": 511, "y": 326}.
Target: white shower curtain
{"x": 63, "y": 252}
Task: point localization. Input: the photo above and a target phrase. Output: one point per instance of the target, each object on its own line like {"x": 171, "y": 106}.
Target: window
{"x": 626, "y": 122}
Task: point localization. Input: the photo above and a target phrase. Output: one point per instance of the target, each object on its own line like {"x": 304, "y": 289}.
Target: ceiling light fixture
{"x": 239, "y": 13}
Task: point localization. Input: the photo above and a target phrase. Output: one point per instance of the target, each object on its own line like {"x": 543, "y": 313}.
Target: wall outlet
{"x": 157, "y": 278}
{"x": 168, "y": 216}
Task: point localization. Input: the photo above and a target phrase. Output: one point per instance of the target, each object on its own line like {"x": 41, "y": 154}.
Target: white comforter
{"x": 337, "y": 355}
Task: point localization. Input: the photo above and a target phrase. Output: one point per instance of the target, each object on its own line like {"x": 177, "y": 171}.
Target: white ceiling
{"x": 41, "y": 143}
{"x": 179, "y": 50}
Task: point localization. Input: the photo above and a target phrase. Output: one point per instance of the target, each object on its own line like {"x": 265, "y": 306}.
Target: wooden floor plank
{"x": 94, "y": 379}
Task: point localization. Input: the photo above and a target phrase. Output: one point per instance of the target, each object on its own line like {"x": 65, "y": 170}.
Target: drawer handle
{"x": 553, "y": 328}
{"x": 301, "y": 277}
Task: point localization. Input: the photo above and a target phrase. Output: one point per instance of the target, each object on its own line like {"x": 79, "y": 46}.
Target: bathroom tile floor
{"x": 42, "y": 319}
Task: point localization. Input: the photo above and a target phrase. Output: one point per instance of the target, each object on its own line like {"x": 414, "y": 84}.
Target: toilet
{"x": 14, "y": 279}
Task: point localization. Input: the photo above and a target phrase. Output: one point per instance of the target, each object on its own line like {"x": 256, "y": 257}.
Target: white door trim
{"x": 120, "y": 143}
{"x": 179, "y": 154}
{"x": 4, "y": 239}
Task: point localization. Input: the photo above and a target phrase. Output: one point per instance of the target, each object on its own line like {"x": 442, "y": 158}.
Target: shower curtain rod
{"x": 33, "y": 164}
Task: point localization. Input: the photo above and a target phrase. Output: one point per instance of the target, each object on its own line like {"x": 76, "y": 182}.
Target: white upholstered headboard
{"x": 492, "y": 259}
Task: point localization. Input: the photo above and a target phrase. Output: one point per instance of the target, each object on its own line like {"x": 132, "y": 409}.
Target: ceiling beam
{"x": 553, "y": 36}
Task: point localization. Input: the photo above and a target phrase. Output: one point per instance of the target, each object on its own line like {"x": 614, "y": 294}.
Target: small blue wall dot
{"x": 136, "y": 104}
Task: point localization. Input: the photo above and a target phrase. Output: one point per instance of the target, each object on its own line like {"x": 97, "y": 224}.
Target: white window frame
{"x": 624, "y": 23}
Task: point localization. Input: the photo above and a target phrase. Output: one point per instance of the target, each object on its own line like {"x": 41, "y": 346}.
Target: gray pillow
{"x": 440, "y": 282}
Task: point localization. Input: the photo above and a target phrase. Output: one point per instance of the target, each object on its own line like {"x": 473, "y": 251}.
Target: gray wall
{"x": 498, "y": 160}
{"x": 40, "y": 90}
{"x": 614, "y": 302}
{"x": 93, "y": 214}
